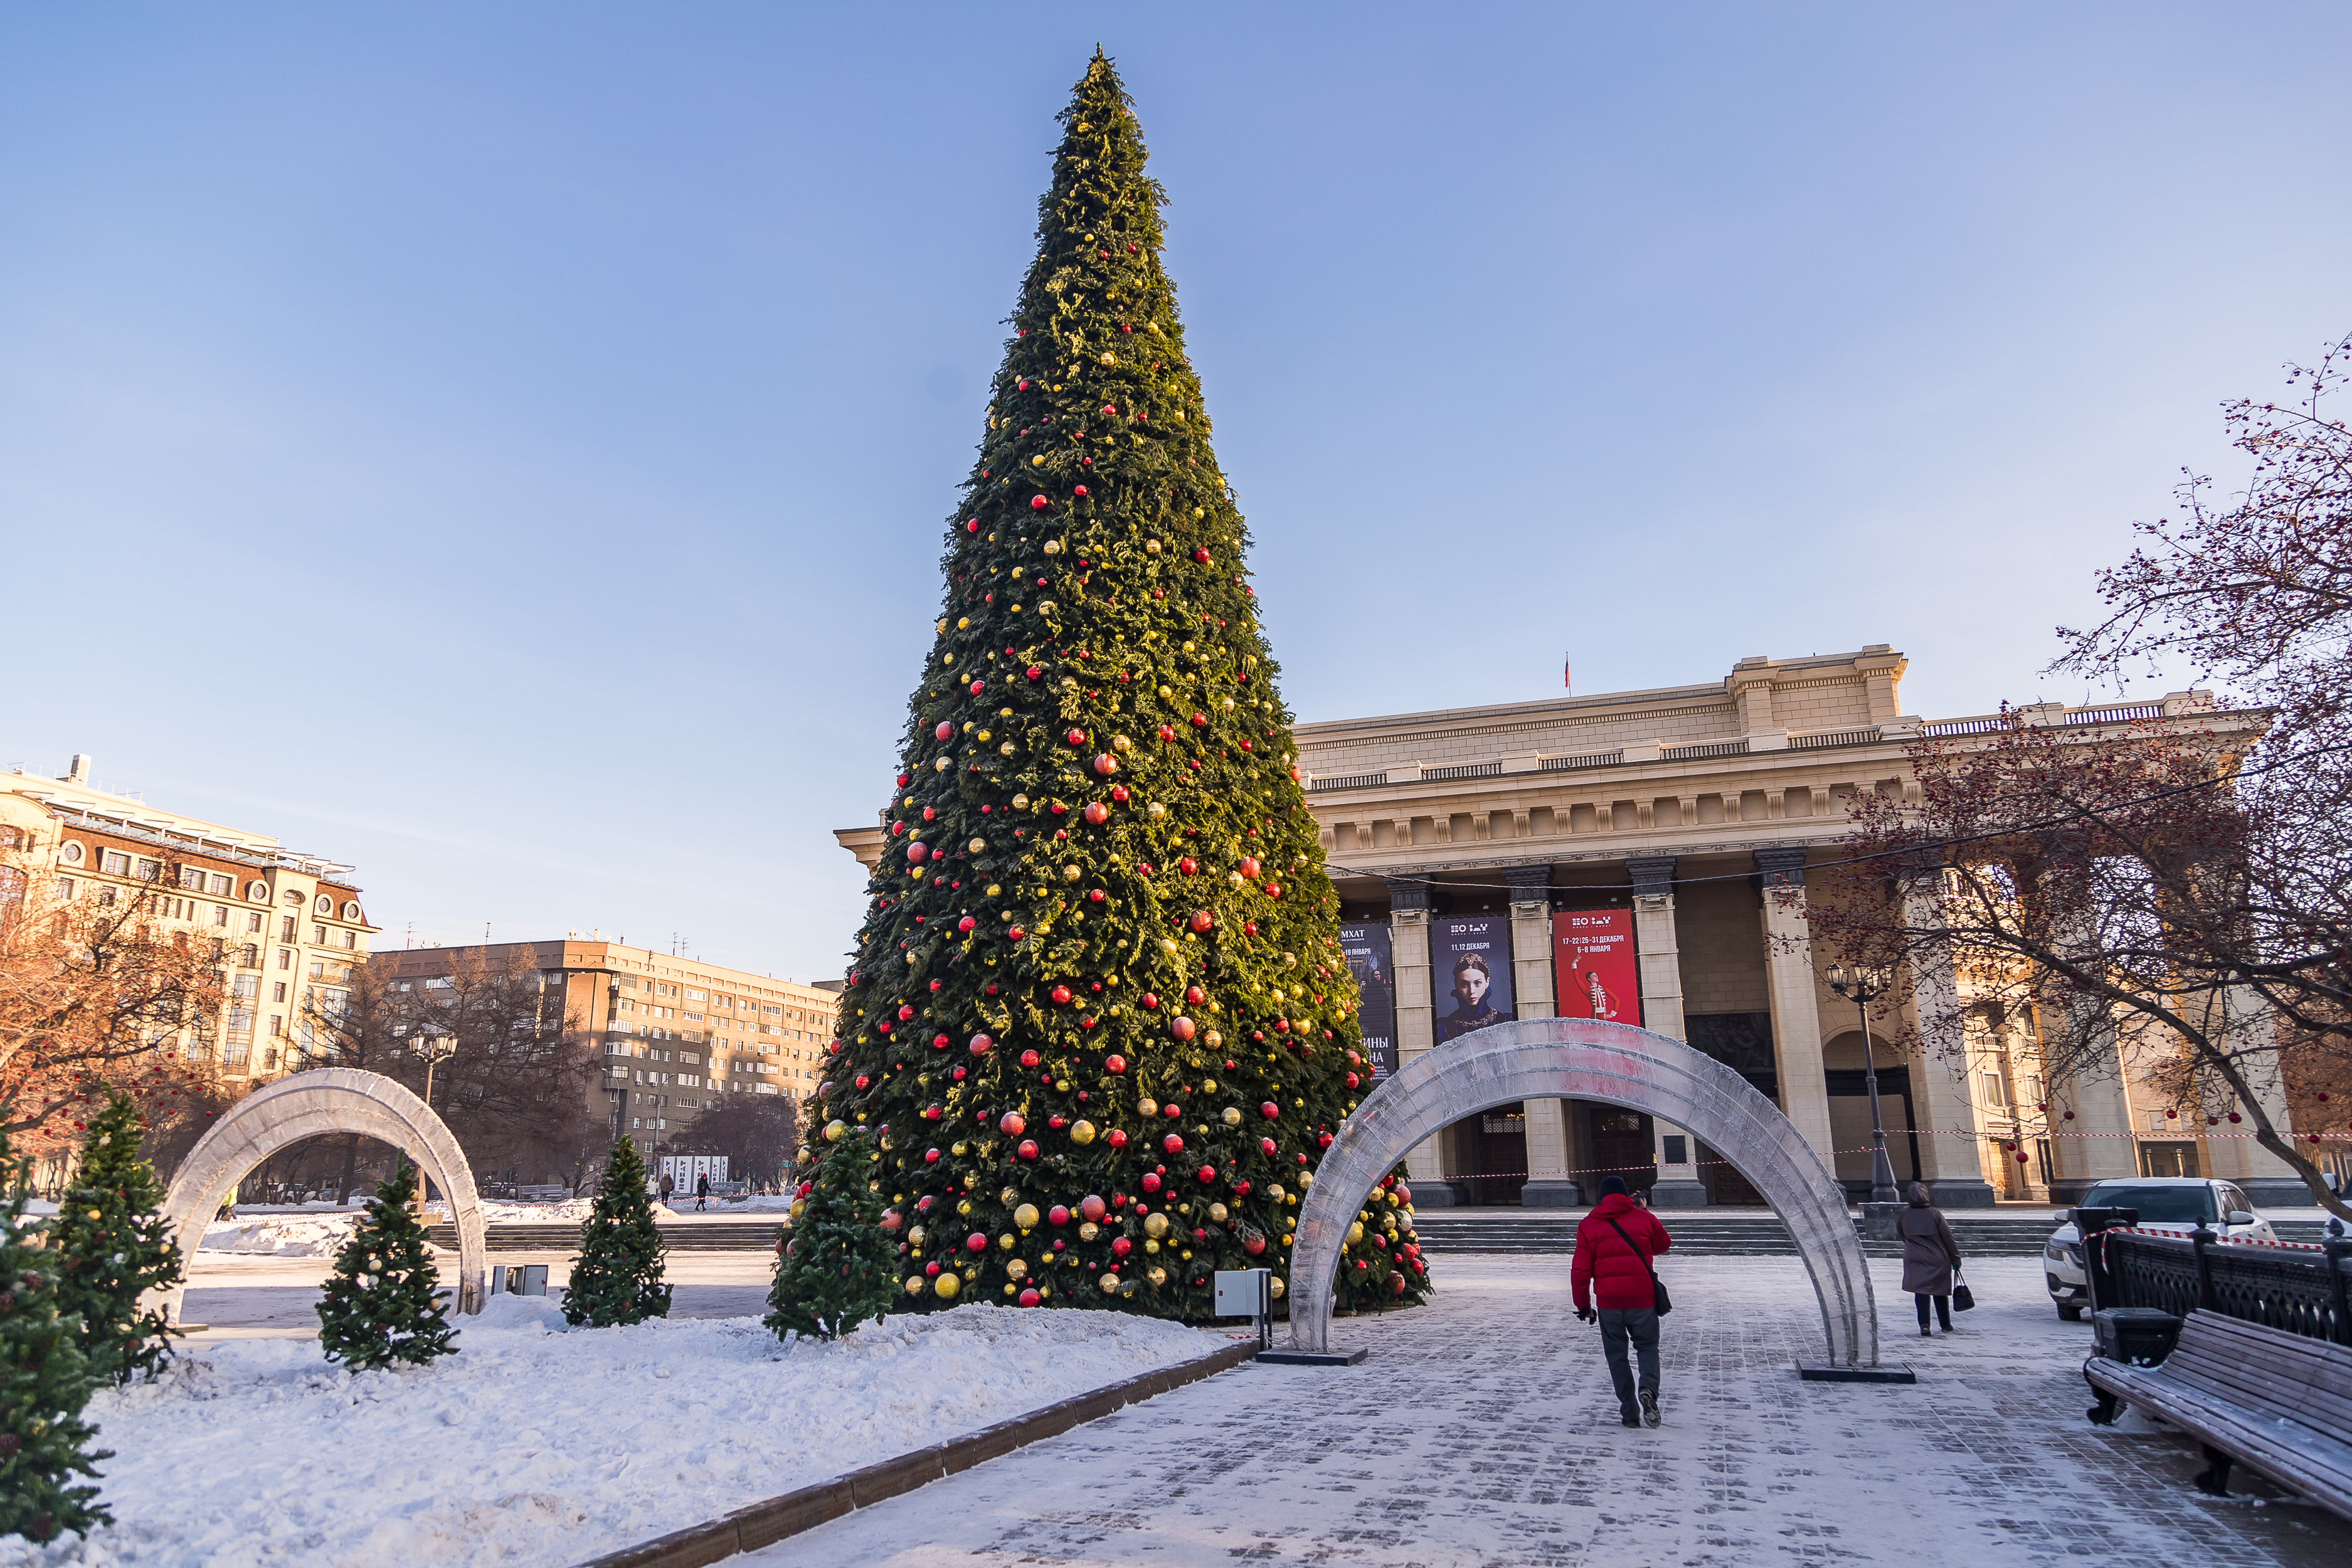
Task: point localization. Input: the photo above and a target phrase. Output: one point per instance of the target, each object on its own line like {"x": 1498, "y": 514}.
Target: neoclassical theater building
{"x": 1608, "y": 856}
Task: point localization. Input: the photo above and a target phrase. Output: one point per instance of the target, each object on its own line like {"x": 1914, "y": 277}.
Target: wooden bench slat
{"x": 2281, "y": 1404}
{"x": 2265, "y": 1441}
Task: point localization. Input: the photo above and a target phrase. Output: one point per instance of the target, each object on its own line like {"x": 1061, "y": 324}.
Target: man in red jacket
{"x": 1614, "y": 1245}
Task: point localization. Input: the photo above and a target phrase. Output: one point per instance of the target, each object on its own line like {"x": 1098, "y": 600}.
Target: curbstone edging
{"x": 765, "y": 1523}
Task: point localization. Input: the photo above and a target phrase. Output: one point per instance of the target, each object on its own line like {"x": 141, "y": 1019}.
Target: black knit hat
{"x": 1612, "y": 1187}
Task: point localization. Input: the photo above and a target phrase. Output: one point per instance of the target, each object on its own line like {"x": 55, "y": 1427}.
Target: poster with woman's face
{"x": 1366, "y": 948}
{"x": 1470, "y": 964}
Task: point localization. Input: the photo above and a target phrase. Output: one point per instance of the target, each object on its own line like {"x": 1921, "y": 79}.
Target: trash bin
{"x": 2136, "y": 1336}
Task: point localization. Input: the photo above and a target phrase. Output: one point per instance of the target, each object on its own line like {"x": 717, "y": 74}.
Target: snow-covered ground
{"x": 535, "y": 1445}
{"x": 242, "y": 1296}
{"x": 316, "y": 1230}
{"x": 314, "y": 1235}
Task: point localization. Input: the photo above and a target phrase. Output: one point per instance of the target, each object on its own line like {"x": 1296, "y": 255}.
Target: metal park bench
{"x": 2280, "y": 1402}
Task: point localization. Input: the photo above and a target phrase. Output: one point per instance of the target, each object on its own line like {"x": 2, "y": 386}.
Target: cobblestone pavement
{"x": 1481, "y": 1431}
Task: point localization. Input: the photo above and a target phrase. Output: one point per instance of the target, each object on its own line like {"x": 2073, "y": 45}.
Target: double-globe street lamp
{"x": 1864, "y": 984}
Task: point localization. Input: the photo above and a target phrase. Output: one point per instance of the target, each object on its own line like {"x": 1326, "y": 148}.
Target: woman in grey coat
{"x": 1929, "y": 1256}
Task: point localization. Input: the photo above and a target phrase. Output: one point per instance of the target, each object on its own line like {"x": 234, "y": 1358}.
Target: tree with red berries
{"x": 2179, "y": 895}
{"x": 1098, "y": 1021}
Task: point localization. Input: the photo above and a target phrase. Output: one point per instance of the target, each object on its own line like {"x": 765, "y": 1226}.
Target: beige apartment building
{"x": 1608, "y": 856}
{"x": 676, "y": 1035}
{"x": 289, "y": 927}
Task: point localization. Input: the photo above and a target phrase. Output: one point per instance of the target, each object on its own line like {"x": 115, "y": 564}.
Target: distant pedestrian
{"x": 701, "y": 1191}
{"x": 668, "y": 1186}
{"x": 1614, "y": 1245}
{"x": 1929, "y": 1256}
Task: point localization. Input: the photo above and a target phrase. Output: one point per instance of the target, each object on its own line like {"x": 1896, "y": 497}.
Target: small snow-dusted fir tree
{"x": 44, "y": 1383}
{"x": 839, "y": 1266}
{"x": 112, "y": 1247}
{"x": 381, "y": 1305}
{"x": 1098, "y": 1013}
{"x": 617, "y": 1277}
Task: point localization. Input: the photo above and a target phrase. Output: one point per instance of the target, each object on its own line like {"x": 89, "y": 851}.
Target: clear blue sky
{"x": 507, "y": 447}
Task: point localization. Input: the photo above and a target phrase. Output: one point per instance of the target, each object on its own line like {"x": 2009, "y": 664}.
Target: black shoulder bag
{"x": 1663, "y": 1303}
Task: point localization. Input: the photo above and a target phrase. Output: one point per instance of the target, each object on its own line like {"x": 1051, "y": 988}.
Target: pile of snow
{"x": 538, "y": 1445}
{"x": 571, "y": 1211}
{"x": 282, "y": 1236}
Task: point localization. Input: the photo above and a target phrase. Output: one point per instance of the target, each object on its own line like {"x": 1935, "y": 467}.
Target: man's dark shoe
{"x": 1649, "y": 1417}
{"x": 1633, "y": 1421}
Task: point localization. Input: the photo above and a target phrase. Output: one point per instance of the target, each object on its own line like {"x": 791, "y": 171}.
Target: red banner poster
{"x": 1593, "y": 966}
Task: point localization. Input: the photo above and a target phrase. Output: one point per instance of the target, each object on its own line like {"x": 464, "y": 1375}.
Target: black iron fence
{"x": 2295, "y": 1289}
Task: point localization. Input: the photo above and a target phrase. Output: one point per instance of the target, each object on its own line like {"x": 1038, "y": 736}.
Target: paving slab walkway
{"x": 1481, "y": 1431}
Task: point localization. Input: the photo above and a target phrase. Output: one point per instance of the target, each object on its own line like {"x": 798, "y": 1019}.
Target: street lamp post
{"x": 435, "y": 1049}
{"x": 1864, "y": 984}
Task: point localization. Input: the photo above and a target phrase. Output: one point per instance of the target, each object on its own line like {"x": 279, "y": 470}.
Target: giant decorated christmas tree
{"x": 1098, "y": 1018}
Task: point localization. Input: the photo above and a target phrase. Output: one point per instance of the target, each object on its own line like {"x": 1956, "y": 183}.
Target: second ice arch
{"x": 305, "y": 1105}
{"x": 1613, "y": 1064}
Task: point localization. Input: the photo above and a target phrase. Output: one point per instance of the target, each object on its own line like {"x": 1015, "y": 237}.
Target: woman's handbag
{"x": 1963, "y": 1298}
{"x": 1659, "y": 1298}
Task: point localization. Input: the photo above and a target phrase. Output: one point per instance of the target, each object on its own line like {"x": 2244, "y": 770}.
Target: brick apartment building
{"x": 676, "y": 1035}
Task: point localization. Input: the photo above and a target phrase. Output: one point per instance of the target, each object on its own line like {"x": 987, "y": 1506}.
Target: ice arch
{"x": 305, "y": 1105}
{"x": 1616, "y": 1064}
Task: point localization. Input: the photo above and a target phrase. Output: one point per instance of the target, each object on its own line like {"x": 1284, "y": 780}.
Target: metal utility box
{"x": 519, "y": 1278}
{"x": 1244, "y": 1292}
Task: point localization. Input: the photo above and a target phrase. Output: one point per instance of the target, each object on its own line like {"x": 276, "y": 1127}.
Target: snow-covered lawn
{"x": 317, "y": 1230}
{"x": 536, "y": 1445}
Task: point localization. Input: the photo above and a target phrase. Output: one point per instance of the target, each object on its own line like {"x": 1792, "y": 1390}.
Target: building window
{"x": 149, "y": 869}
{"x": 293, "y": 898}
{"x": 277, "y": 991}
{"x": 317, "y": 969}
{"x": 70, "y": 854}
{"x": 1992, "y": 1095}
{"x": 285, "y": 958}
{"x": 325, "y": 906}
{"x": 257, "y": 891}
{"x": 286, "y": 929}
{"x": 318, "y": 936}
{"x": 276, "y": 1023}
{"x": 249, "y": 956}
{"x": 350, "y": 909}
{"x": 352, "y": 939}
{"x": 67, "y": 888}
{"x": 106, "y": 898}
{"x": 193, "y": 879}
{"x": 222, "y": 887}
{"x": 114, "y": 863}
{"x": 220, "y": 914}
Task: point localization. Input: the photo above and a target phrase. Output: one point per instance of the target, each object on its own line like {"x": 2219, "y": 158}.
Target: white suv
{"x": 2176, "y": 1204}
